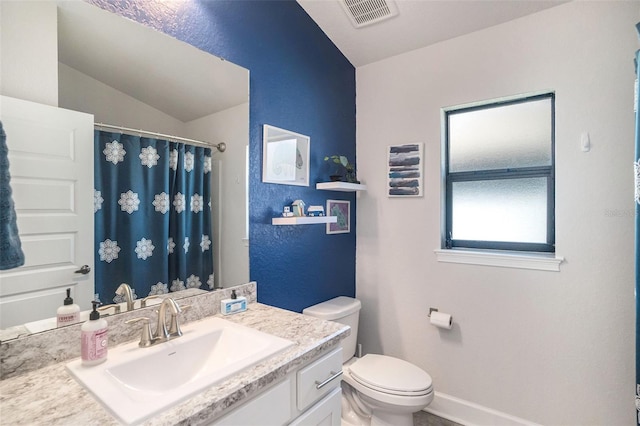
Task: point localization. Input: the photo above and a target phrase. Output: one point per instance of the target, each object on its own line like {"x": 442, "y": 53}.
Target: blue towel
{"x": 11, "y": 255}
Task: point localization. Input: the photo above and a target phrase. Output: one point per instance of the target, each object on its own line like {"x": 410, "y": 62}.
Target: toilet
{"x": 377, "y": 390}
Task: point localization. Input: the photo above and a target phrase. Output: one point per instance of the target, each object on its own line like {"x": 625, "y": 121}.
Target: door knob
{"x": 84, "y": 270}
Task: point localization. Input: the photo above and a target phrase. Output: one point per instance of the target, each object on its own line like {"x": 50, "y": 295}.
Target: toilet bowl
{"x": 377, "y": 390}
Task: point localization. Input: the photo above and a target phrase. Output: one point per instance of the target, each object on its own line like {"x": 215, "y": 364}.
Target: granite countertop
{"x": 50, "y": 396}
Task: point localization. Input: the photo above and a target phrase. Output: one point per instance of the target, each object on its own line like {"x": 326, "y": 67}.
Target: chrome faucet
{"x": 125, "y": 290}
{"x": 162, "y": 334}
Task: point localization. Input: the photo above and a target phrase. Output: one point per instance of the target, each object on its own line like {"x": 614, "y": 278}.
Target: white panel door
{"x": 51, "y": 166}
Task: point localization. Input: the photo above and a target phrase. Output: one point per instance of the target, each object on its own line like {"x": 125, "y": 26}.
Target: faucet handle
{"x": 174, "y": 326}
{"x": 145, "y": 338}
{"x": 143, "y": 302}
{"x": 116, "y": 308}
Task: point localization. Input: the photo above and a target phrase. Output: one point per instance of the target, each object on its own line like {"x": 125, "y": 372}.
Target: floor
{"x": 422, "y": 418}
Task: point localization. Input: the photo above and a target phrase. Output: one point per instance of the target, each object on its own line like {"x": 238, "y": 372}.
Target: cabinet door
{"x": 327, "y": 412}
{"x": 271, "y": 408}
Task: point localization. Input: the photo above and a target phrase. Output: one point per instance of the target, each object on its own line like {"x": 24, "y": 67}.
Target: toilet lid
{"x": 390, "y": 374}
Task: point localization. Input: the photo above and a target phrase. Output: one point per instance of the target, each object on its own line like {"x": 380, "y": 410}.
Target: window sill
{"x": 536, "y": 261}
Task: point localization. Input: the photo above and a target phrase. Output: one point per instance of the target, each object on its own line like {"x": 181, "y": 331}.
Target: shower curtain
{"x": 636, "y": 165}
{"x": 152, "y": 216}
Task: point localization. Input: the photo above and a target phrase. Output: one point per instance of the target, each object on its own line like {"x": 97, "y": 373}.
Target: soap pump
{"x": 94, "y": 339}
{"x": 68, "y": 313}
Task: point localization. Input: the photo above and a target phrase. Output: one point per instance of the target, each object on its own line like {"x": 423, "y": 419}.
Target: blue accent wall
{"x": 301, "y": 82}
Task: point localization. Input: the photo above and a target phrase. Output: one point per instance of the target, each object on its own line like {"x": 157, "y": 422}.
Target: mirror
{"x": 129, "y": 75}
{"x": 285, "y": 157}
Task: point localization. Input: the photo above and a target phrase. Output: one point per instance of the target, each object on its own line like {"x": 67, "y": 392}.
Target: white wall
{"x": 29, "y": 51}
{"x": 80, "y": 92}
{"x": 549, "y": 347}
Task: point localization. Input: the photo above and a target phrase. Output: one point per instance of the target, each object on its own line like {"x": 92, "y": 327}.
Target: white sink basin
{"x": 136, "y": 383}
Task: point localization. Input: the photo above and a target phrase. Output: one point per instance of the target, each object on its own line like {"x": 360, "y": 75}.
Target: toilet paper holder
{"x": 440, "y": 319}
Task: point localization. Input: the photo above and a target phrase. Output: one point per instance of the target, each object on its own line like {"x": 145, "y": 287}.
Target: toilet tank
{"x": 344, "y": 310}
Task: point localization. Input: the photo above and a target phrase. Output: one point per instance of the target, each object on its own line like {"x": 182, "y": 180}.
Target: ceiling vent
{"x": 366, "y": 12}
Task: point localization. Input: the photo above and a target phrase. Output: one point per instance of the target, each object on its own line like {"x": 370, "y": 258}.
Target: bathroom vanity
{"x": 284, "y": 389}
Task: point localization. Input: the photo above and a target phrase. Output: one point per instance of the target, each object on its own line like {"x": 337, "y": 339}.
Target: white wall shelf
{"x": 341, "y": 186}
{"x": 303, "y": 220}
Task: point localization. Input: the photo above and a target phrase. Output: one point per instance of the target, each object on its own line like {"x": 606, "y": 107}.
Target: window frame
{"x": 449, "y": 178}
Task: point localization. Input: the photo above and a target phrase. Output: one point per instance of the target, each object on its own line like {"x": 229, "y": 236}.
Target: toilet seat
{"x": 390, "y": 375}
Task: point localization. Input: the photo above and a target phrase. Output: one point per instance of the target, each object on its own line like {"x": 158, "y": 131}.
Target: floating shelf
{"x": 341, "y": 186}
{"x": 303, "y": 220}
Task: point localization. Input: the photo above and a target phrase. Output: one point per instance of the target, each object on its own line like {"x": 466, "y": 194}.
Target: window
{"x": 499, "y": 175}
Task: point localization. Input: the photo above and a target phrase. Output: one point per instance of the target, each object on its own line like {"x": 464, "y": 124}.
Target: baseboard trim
{"x": 471, "y": 414}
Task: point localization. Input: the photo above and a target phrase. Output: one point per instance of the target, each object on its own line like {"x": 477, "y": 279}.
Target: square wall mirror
{"x": 285, "y": 157}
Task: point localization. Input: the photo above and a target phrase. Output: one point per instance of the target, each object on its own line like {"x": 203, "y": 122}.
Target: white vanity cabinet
{"x": 307, "y": 397}
{"x": 272, "y": 407}
{"x": 327, "y": 412}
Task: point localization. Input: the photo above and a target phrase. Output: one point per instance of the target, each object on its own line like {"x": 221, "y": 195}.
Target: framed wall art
{"x": 342, "y": 210}
{"x": 285, "y": 157}
{"x": 404, "y": 170}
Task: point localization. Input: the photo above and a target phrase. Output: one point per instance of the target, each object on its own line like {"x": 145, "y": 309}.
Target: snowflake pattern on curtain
{"x": 152, "y": 215}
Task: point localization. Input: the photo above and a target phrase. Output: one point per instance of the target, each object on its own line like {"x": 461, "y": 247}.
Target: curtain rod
{"x": 220, "y": 146}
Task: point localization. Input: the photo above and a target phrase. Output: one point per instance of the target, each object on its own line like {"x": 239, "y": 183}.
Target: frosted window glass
{"x": 508, "y": 136}
{"x": 511, "y": 210}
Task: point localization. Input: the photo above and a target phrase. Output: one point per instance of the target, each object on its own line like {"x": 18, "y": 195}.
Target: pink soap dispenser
{"x": 94, "y": 339}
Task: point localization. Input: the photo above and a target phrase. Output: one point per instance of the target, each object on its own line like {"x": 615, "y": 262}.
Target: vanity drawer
{"x": 318, "y": 378}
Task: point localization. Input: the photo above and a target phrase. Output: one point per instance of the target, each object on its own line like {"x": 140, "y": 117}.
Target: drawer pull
{"x": 334, "y": 375}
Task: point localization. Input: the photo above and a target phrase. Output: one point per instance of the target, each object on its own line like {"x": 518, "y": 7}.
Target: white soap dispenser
{"x": 94, "y": 339}
{"x": 69, "y": 313}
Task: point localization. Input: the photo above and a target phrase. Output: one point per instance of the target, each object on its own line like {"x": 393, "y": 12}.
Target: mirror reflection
{"x": 285, "y": 157}
{"x": 128, "y": 75}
